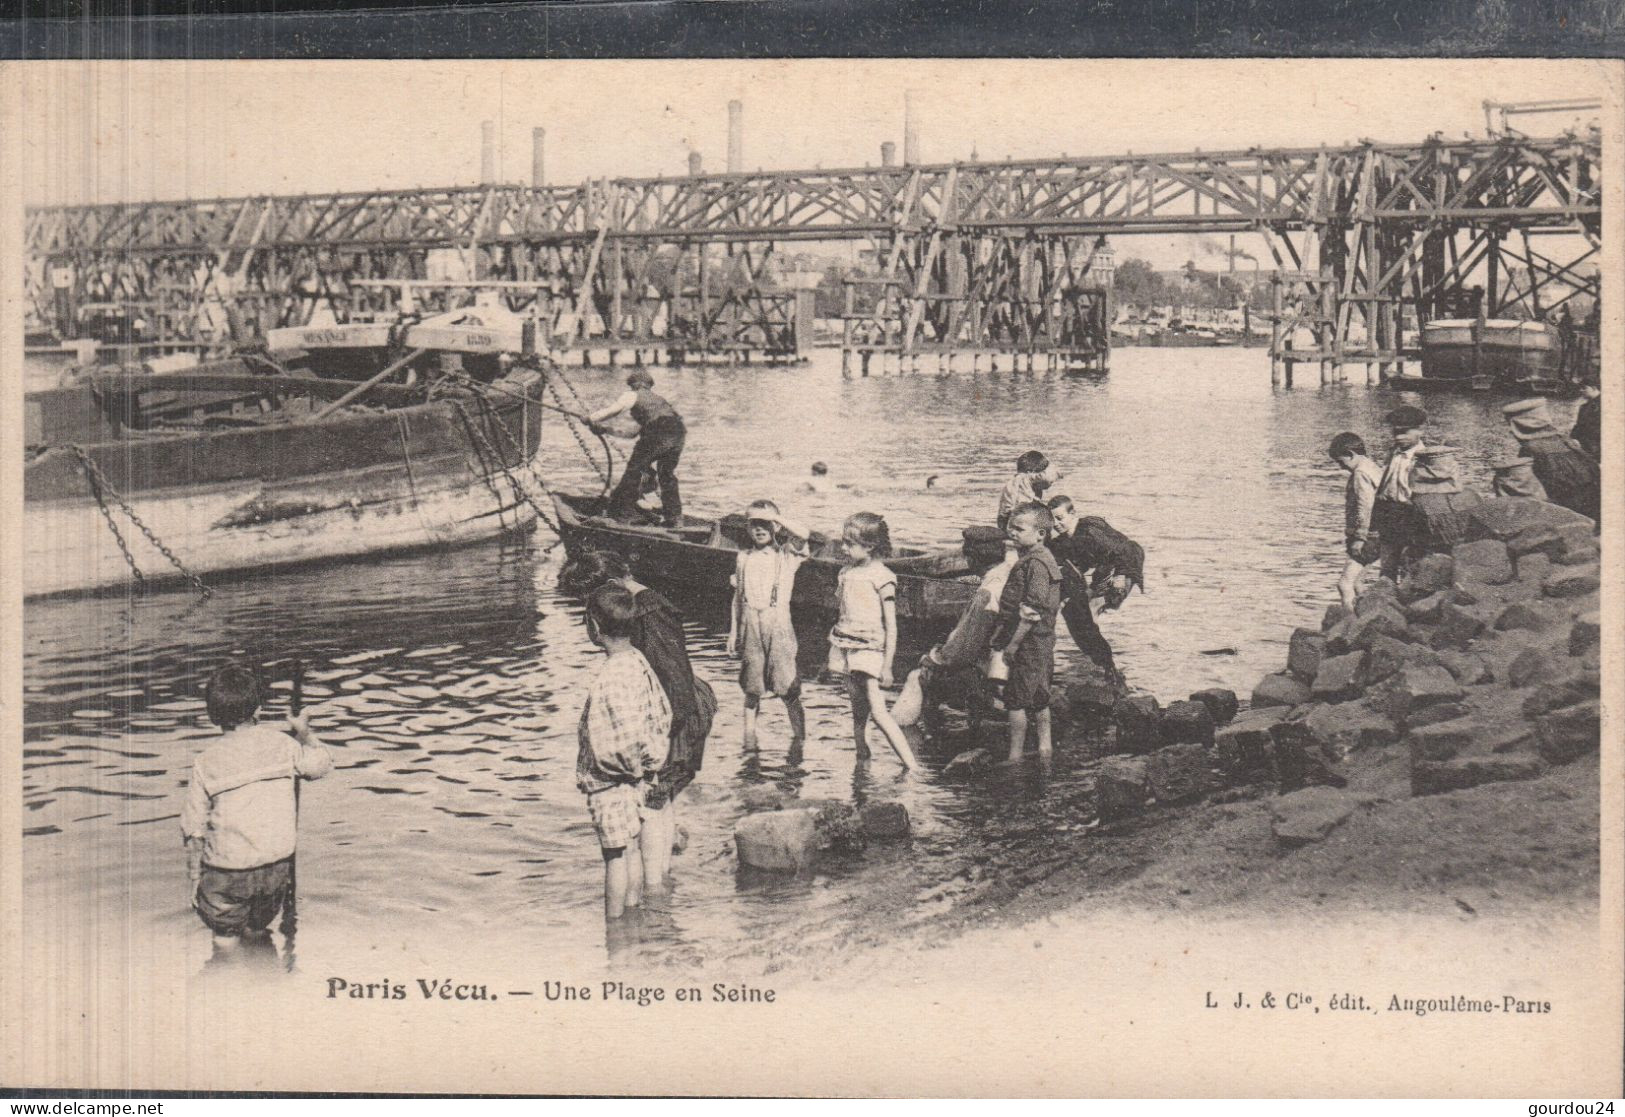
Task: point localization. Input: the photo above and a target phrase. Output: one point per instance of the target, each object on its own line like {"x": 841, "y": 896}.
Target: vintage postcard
{"x": 814, "y": 578}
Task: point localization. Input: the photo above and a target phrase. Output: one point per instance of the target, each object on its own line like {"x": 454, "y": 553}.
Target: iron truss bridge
{"x": 978, "y": 257}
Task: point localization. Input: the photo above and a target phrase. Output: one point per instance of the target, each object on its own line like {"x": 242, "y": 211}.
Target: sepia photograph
{"x": 819, "y": 577}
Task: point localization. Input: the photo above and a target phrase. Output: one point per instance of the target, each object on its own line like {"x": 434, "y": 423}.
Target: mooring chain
{"x": 485, "y": 448}
{"x": 100, "y": 485}
{"x": 603, "y": 473}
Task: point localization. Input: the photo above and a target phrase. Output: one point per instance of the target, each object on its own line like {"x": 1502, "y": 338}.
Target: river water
{"x": 449, "y": 684}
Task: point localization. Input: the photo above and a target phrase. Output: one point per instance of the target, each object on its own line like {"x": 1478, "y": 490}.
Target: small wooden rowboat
{"x": 693, "y": 563}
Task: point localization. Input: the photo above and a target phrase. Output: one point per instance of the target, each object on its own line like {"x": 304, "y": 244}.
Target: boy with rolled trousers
{"x": 239, "y": 820}
{"x": 1025, "y": 637}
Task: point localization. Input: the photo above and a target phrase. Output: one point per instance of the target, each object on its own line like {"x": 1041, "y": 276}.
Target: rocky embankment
{"x": 1482, "y": 665}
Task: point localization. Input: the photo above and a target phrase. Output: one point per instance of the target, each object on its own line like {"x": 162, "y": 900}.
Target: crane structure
{"x": 1370, "y": 240}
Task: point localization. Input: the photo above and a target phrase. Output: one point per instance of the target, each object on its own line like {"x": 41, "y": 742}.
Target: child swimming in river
{"x": 759, "y": 625}
{"x": 864, "y": 640}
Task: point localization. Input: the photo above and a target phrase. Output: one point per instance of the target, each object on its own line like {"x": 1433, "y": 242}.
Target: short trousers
{"x": 617, "y": 814}
{"x": 243, "y": 901}
{"x": 767, "y": 653}
{"x": 857, "y": 661}
{"x": 1031, "y": 669}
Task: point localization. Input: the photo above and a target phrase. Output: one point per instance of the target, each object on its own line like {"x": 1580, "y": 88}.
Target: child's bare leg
{"x": 860, "y": 714}
{"x": 797, "y": 714}
{"x": 634, "y": 871}
{"x": 1018, "y": 734}
{"x": 655, "y": 845}
{"x": 752, "y": 704}
{"x": 1041, "y": 724}
{"x": 1349, "y": 583}
{"x": 615, "y": 883}
{"x": 888, "y": 725}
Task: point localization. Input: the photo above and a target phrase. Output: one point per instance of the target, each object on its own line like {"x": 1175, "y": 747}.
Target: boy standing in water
{"x": 239, "y": 819}
{"x": 1026, "y": 634}
{"x": 1348, "y": 451}
{"x": 623, "y": 744}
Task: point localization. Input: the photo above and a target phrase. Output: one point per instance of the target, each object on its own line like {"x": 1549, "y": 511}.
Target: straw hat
{"x": 1435, "y": 470}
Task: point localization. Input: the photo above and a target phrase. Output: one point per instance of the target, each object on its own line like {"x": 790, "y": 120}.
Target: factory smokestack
{"x": 736, "y": 137}
{"x": 488, "y": 152}
{"x": 538, "y": 166}
{"x": 694, "y": 164}
{"x": 888, "y": 154}
{"x": 911, "y": 131}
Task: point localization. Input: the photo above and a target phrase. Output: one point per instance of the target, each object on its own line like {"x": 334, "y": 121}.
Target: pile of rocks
{"x": 1481, "y": 665}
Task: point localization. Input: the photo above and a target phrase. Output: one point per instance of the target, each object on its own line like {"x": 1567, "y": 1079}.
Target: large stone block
{"x": 1482, "y": 560}
{"x": 1221, "y": 704}
{"x": 1430, "y": 574}
{"x": 1439, "y": 777}
{"x": 1304, "y": 653}
{"x": 1418, "y": 686}
{"x": 1532, "y": 616}
{"x": 1432, "y": 715}
{"x": 1425, "y": 610}
{"x": 1586, "y": 634}
{"x": 1186, "y": 722}
{"x": 1359, "y": 632}
{"x": 1579, "y": 551}
{"x": 756, "y": 797}
{"x": 1136, "y": 718}
{"x": 1091, "y": 700}
{"x": 1280, "y": 690}
{"x": 1465, "y": 667}
{"x": 1299, "y": 759}
{"x": 1122, "y": 785}
{"x": 1571, "y": 733}
{"x": 1572, "y": 581}
{"x": 885, "y": 821}
{"x": 1386, "y": 656}
{"x": 1347, "y": 727}
{"x": 1334, "y": 613}
{"x": 1309, "y": 815}
{"x": 779, "y": 841}
{"x": 1532, "y": 571}
{"x": 1443, "y": 740}
{"x": 1179, "y": 773}
{"x": 1243, "y": 748}
{"x": 1458, "y": 626}
{"x": 1383, "y": 594}
{"x": 1506, "y": 517}
{"x": 1536, "y": 665}
{"x": 1338, "y": 677}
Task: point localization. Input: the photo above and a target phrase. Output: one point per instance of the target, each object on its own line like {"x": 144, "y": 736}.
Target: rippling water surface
{"x": 449, "y": 684}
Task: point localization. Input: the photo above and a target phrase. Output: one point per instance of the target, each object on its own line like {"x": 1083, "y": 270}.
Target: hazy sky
{"x": 132, "y": 131}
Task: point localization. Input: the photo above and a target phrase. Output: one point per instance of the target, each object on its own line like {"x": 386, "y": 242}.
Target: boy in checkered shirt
{"x": 624, "y": 739}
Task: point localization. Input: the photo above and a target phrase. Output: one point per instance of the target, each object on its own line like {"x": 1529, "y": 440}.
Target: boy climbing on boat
{"x": 623, "y": 739}
{"x": 864, "y": 639}
{"x": 759, "y": 626}
{"x": 240, "y": 822}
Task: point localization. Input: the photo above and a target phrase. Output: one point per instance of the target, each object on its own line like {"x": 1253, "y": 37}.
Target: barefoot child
{"x": 623, "y": 744}
{"x": 1348, "y": 451}
{"x": 239, "y": 819}
{"x": 1026, "y": 635}
{"x": 759, "y": 624}
{"x": 1034, "y": 474}
{"x": 864, "y": 639}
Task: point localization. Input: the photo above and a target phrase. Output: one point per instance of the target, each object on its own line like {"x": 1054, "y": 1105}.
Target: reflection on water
{"x": 449, "y": 684}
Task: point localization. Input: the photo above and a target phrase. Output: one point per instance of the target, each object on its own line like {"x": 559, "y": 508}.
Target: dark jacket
{"x": 1570, "y": 477}
{"x": 1095, "y": 545}
{"x": 659, "y": 636}
{"x": 1588, "y": 427}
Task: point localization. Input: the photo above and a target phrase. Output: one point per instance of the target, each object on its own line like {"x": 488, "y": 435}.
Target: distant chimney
{"x": 736, "y": 137}
{"x": 694, "y": 165}
{"x": 1232, "y": 268}
{"x": 488, "y": 152}
{"x": 911, "y": 131}
{"x": 888, "y": 154}
{"x": 538, "y": 169}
